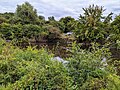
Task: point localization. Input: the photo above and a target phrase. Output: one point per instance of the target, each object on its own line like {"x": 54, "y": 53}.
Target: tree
{"x": 69, "y": 23}
{"x": 7, "y": 15}
{"x": 41, "y": 17}
{"x": 115, "y": 33}
{"x": 51, "y": 18}
{"x": 52, "y": 22}
{"x": 54, "y": 33}
{"x": 2, "y": 20}
{"x": 92, "y": 25}
{"x": 26, "y": 13}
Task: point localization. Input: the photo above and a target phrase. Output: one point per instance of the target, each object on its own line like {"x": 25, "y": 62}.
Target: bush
{"x": 115, "y": 32}
{"x": 30, "y": 69}
{"x": 92, "y": 25}
{"x": 34, "y": 69}
{"x": 2, "y": 20}
{"x": 89, "y": 71}
{"x": 22, "y": 33}
{"x": 53, "y": 33}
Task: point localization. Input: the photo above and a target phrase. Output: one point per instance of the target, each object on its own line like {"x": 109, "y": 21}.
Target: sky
{"x": 61, "y": 8}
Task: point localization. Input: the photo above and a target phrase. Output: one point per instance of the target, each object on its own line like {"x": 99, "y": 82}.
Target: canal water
{"x": 61, "y": 48}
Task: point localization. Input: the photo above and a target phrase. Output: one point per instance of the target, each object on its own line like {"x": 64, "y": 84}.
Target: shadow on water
{"x": 115, "y": 53}
{"x": 61, "y": 49}
{"x": 58, "y": 48}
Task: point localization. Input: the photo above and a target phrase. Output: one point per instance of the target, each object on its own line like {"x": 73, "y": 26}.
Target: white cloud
{"x": 60, "y": 8}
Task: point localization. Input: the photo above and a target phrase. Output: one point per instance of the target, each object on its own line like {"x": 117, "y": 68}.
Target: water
{"x": 61, "y": 49}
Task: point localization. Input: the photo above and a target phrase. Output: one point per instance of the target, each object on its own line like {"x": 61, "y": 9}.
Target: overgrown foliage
{"x": 92, "y": 68}
{"x": 26, "y": 13}
{"x": 30, "y": 69}
{"x": 69, "y": 24}
{"x": 115, "y": 33}
{"x": 35, "y": 69}
{"x": 22, "y": 33}
{"x": 92, "y": 25}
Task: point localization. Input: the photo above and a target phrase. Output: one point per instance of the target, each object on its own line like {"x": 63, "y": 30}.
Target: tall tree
{"x": 26, "y": 13}
{"x": 69, "y": 23}
{"x": 92, "y": 25}
{"x": 115, "y": 32}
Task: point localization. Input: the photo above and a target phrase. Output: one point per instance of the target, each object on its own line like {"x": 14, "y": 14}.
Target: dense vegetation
{"x": 35, "y": 69}
{"x": 91, "y": 26}
{"x": 90, "y": 68}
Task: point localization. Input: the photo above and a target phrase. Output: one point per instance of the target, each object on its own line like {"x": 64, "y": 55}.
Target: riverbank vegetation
{"x": 31, "y": 68}
{"x": 91, "y": 62}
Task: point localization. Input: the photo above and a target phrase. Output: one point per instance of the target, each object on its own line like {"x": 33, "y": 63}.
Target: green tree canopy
{"x": 69, "y": 23}
{"x": 92, "y": 25}
{"x": 51, "y": 18}
{"x": 115, "y": 33}
{"x": 54, "y": 23}
{"x": 26, "y": 13}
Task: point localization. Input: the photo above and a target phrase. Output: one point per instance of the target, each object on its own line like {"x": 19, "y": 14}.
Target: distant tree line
{"x": 91, "y": 26}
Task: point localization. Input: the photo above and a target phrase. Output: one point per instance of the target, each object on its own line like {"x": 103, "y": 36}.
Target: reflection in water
{"x": 62, "y": 49}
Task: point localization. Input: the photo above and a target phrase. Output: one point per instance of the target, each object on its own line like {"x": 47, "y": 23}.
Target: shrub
{"x": 31, "y": 69}
{"x": 88, "y": 69}
{"x": 22, "y": 33}
{"x": 92, "y": 25}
